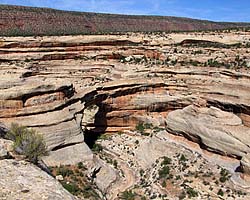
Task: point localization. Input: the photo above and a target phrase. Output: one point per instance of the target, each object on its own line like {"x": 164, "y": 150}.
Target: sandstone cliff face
{"x": 73, "y": 88}
{"x": 53, "y": 95}
{"x": 217, "y": 130}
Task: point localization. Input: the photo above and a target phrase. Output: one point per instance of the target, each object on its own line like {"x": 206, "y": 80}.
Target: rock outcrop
{"x": 22, "y": 180}
{"x": 69, "y": 155}
{"x": 96, "y": 90}
{"x": 245, "y": 164}
{"x": 218, "y": 130}
{"x": 73, "y": 88}
{"x": 5, "y": 148}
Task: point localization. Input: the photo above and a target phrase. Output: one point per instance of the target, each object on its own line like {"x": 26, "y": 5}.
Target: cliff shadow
{"x": 99, "y": 125}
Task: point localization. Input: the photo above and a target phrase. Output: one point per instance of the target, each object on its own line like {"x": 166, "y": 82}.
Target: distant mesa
{"x": 27, "y": 21}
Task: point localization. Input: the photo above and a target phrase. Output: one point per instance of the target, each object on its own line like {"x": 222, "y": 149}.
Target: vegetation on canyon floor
{"x": 175, "y": 174}
{"x": 75, "y": 180}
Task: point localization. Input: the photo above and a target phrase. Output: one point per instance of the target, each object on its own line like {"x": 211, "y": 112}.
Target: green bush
{"x": 166, "y": 161}
{"x": 140, "y": 127}
{"x": 71, "y": 187}
{"x": 183, "y": 158}
{"x": 164, "y": 184}
{"x": 220, "y": 192}
{"x": 224, "y": 175}
{"x": 164, "y": 172}
{"x": 191, "y": 192}
{"x": 115, "y": 163}
{"x": 182, "y": 195}
{"x": 148, "y": 126}
{"x": 97, "y": 148}
{"x": 81, "y": 166}
{"x": 64, "y": 171}
{"x": 27, "y": 142}
{"x": 128, "y": 195}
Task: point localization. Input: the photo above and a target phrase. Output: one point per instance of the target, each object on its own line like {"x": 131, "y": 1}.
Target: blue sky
{"x": 217, "y": 10}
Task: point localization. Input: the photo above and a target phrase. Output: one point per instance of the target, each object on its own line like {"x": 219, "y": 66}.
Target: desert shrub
{"x": 128, "y": 195}
{"x": 97, "y": 148}
{"x": 72, "y": 188}
{"x": 158, "y": 129}
{"x": 224, "y": 175}
{"x": 64, "y": 171}
{"x": 81, "y": 166}
{"x": 183, "y": 158}
{"x": 141, "y": 172}
{"x": 220, "y": 192}
{"x": 182, "y": 195}
{"x": 140, "y": 127}
{"x": 164, "y": 184}
{"x": 89, "y": 192}
{"x": 191, "y": 192}
{"x": 164, "y": 172}
{"x": 148, "y": 126}
{"x": 27, "y": 142}
{"x": 166, "y": 161}
{"x": 115, "y": 163}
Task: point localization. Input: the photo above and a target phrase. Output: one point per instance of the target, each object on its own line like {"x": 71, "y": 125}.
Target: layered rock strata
{"x": 65, "y": 87}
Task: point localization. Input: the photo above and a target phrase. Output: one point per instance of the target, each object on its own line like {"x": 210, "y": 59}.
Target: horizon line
{"x": 122, "y": 14}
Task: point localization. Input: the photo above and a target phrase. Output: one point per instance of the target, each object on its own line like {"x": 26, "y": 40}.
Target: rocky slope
{"x": 20, "y": 180}
{"x": 170, "y": 86}
{"x": 18, "y": 20}
{"x": 23, "y": 180}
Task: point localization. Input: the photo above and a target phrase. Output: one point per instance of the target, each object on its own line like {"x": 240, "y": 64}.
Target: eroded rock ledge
{"x": 218, "y": 130}
{"x": 109, "y": 85}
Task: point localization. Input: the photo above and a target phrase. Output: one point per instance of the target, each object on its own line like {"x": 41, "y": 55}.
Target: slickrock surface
{"x": 73, "y": 88}
{"x": 21, "y": 180}
{"x": 217, "y": 130}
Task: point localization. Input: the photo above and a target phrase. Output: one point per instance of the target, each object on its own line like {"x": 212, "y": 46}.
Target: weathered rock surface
{"x": 70, "y": 155}
{"x": 105, "y": 175}
{"x": 216, "y": 129}
{"x": 72, "y": 88}
{"x": 245, "y": 164}
{"x": 22, "y": 180}
{"x": 5, "y": 148}
{"x": 52, "y": 90}
{"x": 3, "y": 129}
{"x": 143, "y": 157}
